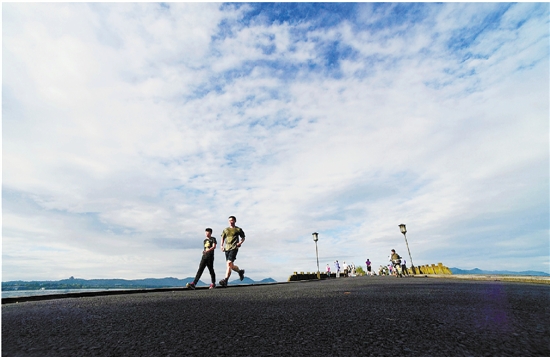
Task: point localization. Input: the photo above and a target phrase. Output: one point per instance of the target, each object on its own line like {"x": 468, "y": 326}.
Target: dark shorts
{"x": 368, "y": 268}
{"x": 231, "y": 255}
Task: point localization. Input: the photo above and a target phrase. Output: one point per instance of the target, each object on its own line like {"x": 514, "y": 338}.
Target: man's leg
{"x": 210, "y": 265}
{"x": 231, "y": 256}
{"x": 228, "y": 270}
{"x": 191, "y": 285}
{"x": 223, "y": 282}
{"x": 231, "y": 266}
{"x": 240, "y": 271}
{"x": 202, "y": 265}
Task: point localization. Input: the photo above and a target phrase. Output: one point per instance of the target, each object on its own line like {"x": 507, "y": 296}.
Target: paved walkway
{"x": 515, "y": 278}
{"x": 362, "y": 316}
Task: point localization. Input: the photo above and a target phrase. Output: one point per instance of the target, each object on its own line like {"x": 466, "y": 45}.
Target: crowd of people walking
{"x": 397, "y": 267}
{"x": 345, "y": 271}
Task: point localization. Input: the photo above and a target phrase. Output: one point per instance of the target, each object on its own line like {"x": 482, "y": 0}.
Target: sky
{"x": 129, "y": 128}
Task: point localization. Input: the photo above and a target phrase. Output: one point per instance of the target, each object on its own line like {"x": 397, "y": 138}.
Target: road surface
{"x": 360, "y": 316}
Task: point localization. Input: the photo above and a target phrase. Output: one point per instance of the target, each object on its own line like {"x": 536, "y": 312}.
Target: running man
{"x": 396, "y": 262}
{"x": 207, "y": 260}
{"x": 231, "y": 245}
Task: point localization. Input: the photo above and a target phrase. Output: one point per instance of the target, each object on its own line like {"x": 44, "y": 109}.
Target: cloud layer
{"x": 129, "y": 128}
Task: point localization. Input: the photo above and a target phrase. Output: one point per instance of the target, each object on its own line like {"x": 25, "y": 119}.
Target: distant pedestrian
{"x": 404, "y": 267}
{"x": 328, "y": 271}
{"x": 231, "y": 245}
{"x": 345, "y": 266}
{"x": 369, "y": 270}
{"x": 207, "y": 260}
{"x": 337, "y": 266}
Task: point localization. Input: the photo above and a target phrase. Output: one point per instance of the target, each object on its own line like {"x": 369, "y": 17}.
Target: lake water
{"x": 22, "y": 293}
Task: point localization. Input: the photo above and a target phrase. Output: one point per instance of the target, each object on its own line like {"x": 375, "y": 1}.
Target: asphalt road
{"x": 362, "y": 316}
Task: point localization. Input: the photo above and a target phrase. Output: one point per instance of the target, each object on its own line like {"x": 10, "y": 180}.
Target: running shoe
{"x": 223, "y": 283}
{"x": 241, "y": 274}
{"x": 190, "y": 286}
{"x": 212, "y": 286}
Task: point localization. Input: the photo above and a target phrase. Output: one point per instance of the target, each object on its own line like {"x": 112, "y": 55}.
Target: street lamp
{"x": 403, "y": 229}
{"x": 315, "y": 239}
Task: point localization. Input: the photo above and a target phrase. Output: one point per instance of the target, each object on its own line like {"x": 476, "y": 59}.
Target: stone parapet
{"x": 432, "y": 269}
{"x": 307, "y": 276}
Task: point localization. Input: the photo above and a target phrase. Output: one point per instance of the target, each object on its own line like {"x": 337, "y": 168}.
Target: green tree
{"x": 359, "y": 270}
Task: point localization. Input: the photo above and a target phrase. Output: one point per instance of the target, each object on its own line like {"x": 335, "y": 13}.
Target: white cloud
{"x": 129, "y": 128}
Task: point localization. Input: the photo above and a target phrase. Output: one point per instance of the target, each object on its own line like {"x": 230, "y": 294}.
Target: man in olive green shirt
{"x": 396, "y": 262}
{"x": 231, "y": 245}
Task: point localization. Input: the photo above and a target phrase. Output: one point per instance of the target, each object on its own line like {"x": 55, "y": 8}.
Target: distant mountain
{"x": 148, "y": 282}
{"x": 75, "y": 283}
{"x": 267, "y": 280}
{"x": 477, "y": 271}
{"x": 248, "y": 281}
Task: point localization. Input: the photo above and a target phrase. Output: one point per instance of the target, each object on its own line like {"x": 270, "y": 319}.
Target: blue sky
{"x": 129, "y": 128}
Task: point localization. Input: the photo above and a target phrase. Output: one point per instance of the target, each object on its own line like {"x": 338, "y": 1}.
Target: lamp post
{"x": 315, "y": 239}
{"x": 403, "y": 229}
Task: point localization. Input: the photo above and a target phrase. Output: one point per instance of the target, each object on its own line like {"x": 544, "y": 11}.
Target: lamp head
{"x": 315, "y": 236}
{"x": 403, "y": 228}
